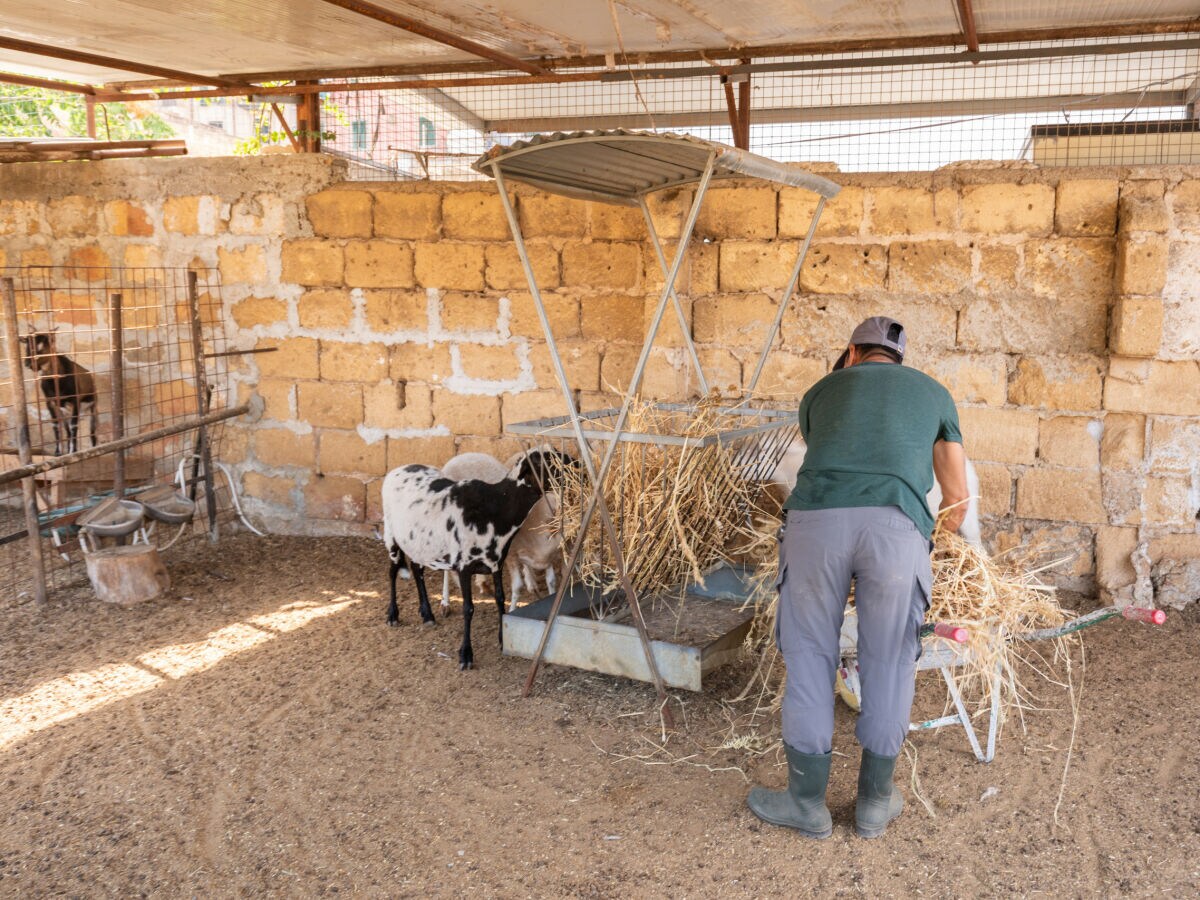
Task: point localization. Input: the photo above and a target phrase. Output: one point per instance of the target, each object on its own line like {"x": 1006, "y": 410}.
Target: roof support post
{"x": 739, "y": 109}
{"x": 967, "y": 16}
{"x": 308, "y": 121}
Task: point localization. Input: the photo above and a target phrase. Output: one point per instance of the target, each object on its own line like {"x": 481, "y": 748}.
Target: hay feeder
{"x": 625, "y": 167}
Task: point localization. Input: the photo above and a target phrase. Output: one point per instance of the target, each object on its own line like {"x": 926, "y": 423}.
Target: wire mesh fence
{"x": 85, "y": 383}
{"x": 1120, "y": 100}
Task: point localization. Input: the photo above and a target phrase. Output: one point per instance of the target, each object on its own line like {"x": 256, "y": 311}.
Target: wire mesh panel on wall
{"x": 1120, "y": 100}
{"x": 77, "y": 369}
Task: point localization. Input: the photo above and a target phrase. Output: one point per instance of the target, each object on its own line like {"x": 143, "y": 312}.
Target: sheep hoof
{"x": 462, "y": 667}
{"x": 429, "y": 621}
{"x": 392, "y": 623}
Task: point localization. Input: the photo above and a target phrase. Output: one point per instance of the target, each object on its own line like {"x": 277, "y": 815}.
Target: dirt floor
{"x": 262, "y": 731}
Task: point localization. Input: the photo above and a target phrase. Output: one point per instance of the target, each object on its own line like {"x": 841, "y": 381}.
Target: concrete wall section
{"x": 1059, "y": 307}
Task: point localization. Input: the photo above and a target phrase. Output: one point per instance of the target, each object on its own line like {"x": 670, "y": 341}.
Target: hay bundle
{"x": 678, "y": 509}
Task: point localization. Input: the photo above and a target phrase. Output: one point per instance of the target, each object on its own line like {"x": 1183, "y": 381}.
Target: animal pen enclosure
{"x": 112, "y": 385}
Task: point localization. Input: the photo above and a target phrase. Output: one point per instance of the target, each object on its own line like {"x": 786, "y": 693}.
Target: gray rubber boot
{"x": 878, "y": 800}
{"x": 802, "y": 805}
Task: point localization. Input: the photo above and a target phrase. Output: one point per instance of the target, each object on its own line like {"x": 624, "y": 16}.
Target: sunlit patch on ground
{"x": 79, "y": 693}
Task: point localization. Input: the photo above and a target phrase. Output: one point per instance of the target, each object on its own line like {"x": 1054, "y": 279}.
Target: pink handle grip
{"x": 955, "y": 633}
{"x": 1150, "y": 616}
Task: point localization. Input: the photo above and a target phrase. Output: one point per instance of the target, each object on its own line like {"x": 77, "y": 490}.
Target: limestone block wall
{"x": 1059, "y": 306}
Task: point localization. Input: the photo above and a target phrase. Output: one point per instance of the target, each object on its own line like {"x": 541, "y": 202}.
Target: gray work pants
{"x": 888, "y": 558}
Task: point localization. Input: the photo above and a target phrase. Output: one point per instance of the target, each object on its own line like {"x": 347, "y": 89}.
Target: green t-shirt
{"x": 870, "y": 431}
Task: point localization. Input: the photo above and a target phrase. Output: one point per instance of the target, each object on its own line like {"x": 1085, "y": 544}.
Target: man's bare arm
{"x": 950, "y": 470}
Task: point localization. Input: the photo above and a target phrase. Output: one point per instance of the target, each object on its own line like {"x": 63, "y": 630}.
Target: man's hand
{"x": 950, "y": 470}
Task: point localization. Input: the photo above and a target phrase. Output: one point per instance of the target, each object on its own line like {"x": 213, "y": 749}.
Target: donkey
{"x": 67, "y": 389}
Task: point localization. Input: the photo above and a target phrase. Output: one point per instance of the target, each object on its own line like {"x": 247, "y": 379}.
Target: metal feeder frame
{"x": 625, "y": 167}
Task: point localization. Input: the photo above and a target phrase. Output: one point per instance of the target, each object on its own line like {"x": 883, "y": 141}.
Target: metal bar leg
{"x": 994, "y": 716}
{"x": 787, "y": 296}
{"x": 202, "y": 405}
{"x": 962, "y": 713}
{"x": 24, "y": 450}
{"x": 683, "y": 325}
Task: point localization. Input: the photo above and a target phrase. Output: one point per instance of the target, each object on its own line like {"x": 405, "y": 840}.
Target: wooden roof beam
{"x": 966, "y": 16}
{"x": 30, "y": 81}
{"x": 379, "y": 14}
{"x": 108, "y": 62}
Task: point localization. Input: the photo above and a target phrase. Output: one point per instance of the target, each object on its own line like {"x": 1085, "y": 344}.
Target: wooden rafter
{"x": 109, "y": 62}
{"x": 379, "y": 14}
{"x": 48, "y": 84}
{"x": 967, "y": 19}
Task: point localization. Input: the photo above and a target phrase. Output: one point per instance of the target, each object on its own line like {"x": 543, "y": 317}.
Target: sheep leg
{"x": 498, "y": 581}
{"x": 514, "y": 577}
{"x": 466, "y": 656}
{"x": 446, "y": 593}
{"x": 397, "y": 562}
{"x": 422, "y": 594}
{"x": 551, "y": 579}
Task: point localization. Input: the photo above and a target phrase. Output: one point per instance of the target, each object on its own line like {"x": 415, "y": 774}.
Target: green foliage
{"x": 34, "y": 112}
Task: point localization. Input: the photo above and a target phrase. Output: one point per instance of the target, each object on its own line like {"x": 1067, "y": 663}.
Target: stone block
{"x": 175, "y": 398}
{"x": 842, "y": 216}
{"x": 246, "y": 264}
{"x": 1142, "y": 207}
{"x": 391, "y": 311}
{"x": 325, "y": 309}
{"x": 1070, "y": 268}
{"x": 787, "y": 375}
{"x": 1035, "y": 325}
{"x": 420, "y": 361}
{"x": 550, "y": 215}
{"x": 490, "y": 363}
{"x": 999, "y": 435}
{"x": 312, "y": 262}
{"x": 338, "y": 213}
{"x": 361, "y": 363}
{"x": 346, "y": 452}
{"x": 1181, "y": 302}
{"x": 1026, "y": 209}
{"x": 1057, "y": 382}
{"x": 1175, "y": 569}
{"x": 500, "y": 447}
{"x": 259, "y": 311}
{"x": 617, "y": 317}
{"x": 601, "y": 265}
{"x": 929, "y": 267}
{"x": 408, "y": 216}
{"x": 748, "y": 267}
{"x": 580, "y": 359}
{"x": 562, "y": 311}
{"x": 278, "y": 396}
{"x": 293, "y": 358}
{"x": 1072, "y": 441}
{"x": 670, "y": 333}
{"x": 329, "y": 404}
{"x": 1136, "y": 327}
{"x": 1086, "y": 207}
{"x": 615, "y": 223}
{"x": 1142, "y": 264}
{"x": 1123, "y": 496}
{"x": 1174, "y": 445}
{"x": 746, "y": 213}
{"x": 142, "y": 256}
{"x": 379, "y": 264}
{"x": 470, "y": 312}
{"x": 281, "y": 447}
{"x": 449, "y": 266}
{"x": 616, "y": 367}
{"x": 998, "y": 267}
{"x": 1153, "y": 386}
{"x": 1185, "y": 205}
{"x": 126, "y": 219}
{"x": 504, "y": 269}
{"x": 268, "y": 489}
{"x": 474, "y": 216}
{"x": 830, "y": 268}
{"x": 822, "y": 324}
{"x": 336, "y": 497}
{"x": 466, "y": 413}
{"x": 734, "y": 320}
{"x": 1060, "y": 495}
{"x": 971, "y": 377}
{"x": 1169, "y": 501}
{"x": 433, "y": 450}
{"x": 668, "y": 211}
{"x": 192, "y": 215}
{"x": 393, "y": 405}
{"x": 20, "y": 217}
{"x": 697, "y": 274}
{"x": 87, "y": 263}
{"x": 528, "y": 406}
{"x": 722, "y": 369}
{"x": 668, "y": 375}
{"x": 73, "y": 216}
{"x": 995, "y": 489}
{"x": 257, "y": 214}
{"x": 1123, "y": 443}
{"x": 905, "y": 210}
{"x": 1114, "y": 556}
{"x": 1049, "y": 545}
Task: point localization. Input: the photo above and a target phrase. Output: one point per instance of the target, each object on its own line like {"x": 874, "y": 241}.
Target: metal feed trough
{"x": 625, "y": 167}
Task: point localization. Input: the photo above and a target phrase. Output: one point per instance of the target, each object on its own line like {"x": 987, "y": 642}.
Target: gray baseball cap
{"x": 877, "y": 330}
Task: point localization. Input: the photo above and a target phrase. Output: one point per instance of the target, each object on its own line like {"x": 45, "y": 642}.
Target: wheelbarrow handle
{"x": 1149, "y": 616}
{"x": 955, "y": 633}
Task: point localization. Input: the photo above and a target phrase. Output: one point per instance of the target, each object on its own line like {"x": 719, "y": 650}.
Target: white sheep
{"x": 431, "y": 521}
